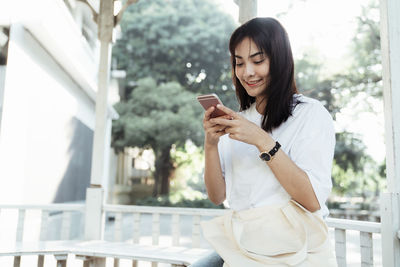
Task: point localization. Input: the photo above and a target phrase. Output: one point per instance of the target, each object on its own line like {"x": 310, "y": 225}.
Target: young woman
{"x": 276, "y": 153}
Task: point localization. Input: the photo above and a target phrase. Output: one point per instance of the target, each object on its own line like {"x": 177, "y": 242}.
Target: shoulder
{"x": 309, "y": 107}
{"x": 313, "y": 115}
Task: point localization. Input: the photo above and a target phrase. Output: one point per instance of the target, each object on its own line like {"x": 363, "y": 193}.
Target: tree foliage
{"x": 183, "y": 46}
{"x": 354, "y": 171}
{"x": 157, "y": 116}
{"x": 177, "y": 40}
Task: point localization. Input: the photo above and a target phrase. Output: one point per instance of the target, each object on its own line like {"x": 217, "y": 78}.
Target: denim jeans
{"x": 211, "y": 260}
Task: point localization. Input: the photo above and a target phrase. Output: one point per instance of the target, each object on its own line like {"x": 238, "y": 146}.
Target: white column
{"x": 247, "y": 10}
{"x": 94, "y": 215}
{"x": 100, "y": 157}
{"x": 390, "y": 201}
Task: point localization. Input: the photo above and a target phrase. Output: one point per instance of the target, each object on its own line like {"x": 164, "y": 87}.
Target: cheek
{"x": 237, "y": 73}
{"x": 264, "y": 72}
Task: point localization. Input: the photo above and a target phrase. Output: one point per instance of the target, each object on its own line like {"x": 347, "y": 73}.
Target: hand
{"x": 241, "y": 129}
{"x": 213, "y": 131}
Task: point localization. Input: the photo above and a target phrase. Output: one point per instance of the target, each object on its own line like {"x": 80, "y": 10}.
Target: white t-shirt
{"x": 307, "y": 137}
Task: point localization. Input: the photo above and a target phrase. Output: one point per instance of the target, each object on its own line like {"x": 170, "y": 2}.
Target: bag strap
{"x": 321, "y": 225}
{"x": 289, "y": 259}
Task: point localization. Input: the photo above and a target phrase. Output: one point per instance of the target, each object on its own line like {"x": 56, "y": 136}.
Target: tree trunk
{"x": 163, "y": 170}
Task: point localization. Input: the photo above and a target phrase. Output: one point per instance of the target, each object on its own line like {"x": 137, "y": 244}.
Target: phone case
{"x": 210, "y": 100}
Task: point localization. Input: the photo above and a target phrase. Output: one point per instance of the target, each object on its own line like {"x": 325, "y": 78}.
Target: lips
{"x": 253, "y": 83}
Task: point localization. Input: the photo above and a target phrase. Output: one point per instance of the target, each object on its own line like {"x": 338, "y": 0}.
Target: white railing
{"x": 65, "y": 209}
{"x": 119, "y": 213}
{"x": 366, "y": 230}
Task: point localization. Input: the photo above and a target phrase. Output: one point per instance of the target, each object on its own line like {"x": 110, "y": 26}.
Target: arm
{"x": 213, "y": 178}
{"x": 292, "y": 178}
{"x": 295, "y": 181}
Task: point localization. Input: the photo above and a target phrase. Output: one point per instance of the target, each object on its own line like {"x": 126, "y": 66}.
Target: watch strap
{"x": 275, "y": 149}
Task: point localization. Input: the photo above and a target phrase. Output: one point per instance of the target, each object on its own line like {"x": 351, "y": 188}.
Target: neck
{"x": 261, "y": 102}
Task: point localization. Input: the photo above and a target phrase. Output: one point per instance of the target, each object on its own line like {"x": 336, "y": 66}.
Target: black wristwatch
{"x": 268, "y": 156}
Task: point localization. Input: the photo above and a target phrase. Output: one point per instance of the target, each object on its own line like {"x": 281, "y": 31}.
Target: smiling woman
{"x": 273, "y": 157}
{"x": 252, "y": 69}
{"x": 258, "y": 63}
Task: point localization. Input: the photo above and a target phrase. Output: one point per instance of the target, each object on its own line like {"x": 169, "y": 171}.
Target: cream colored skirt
{"x": 286, "y": 235}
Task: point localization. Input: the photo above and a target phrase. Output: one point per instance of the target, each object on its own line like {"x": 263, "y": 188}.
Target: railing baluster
{"x": 366, "y": 246}
{"x": 40, "y": 261}
{"x": 340, "y": 247}
{"x": 20, "y": 225}
{"x": 136, "y": 227}
{"x": 196, "y": 231}
{"x": 17, "y": 261}
{"x": 175, "y": 230}
{"x": 20, "y": 234}
{"x": 155, "y": 233}
{"x": 43, "y": 225}
{"x": 118, "y": 227}
{"x": 66, "y": 225}
{"x": 43, "y": 234}
{"x": 136, "y": 233}
{"x": 117, "y": 233}
{"x": 156, "y": 229}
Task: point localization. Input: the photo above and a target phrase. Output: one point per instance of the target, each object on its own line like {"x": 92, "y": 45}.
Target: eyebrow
{"x": 253, "y": 55}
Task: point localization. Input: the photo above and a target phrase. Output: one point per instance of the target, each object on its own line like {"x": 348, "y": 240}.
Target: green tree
{"x": 157, "y": 116}
{"x": 363, "y": 80}
{"x": 354, "y": 171}
{"x": 177, "y": 40}
{"x": 183, "y": 46}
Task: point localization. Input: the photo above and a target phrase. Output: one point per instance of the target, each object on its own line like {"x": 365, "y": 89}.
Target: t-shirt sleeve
{"x": 313, "y": 149}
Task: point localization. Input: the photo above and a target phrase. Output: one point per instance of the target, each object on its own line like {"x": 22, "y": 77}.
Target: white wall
{"x": 2, "y": 79}
{"x": 41, "y": 105}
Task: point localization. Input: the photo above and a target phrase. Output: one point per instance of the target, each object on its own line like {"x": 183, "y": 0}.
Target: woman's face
{"x": 252, "y": 68}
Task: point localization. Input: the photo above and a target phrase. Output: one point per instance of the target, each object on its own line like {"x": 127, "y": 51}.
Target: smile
{"x": 253, "y": 83}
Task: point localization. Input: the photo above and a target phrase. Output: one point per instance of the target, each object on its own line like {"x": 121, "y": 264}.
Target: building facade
{"x": 48, "y": 85}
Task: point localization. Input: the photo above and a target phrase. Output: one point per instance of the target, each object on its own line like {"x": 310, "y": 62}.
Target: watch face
{"x": 265, "y": 156}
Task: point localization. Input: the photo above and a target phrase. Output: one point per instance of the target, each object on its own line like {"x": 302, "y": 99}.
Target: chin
{"x": 254, "y": 92}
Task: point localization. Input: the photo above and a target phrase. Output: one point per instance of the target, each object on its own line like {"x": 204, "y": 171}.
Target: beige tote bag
{"x": 287, "y": 235}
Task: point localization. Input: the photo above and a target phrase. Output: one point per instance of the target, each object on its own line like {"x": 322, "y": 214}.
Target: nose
{"x": 249, "y": 71}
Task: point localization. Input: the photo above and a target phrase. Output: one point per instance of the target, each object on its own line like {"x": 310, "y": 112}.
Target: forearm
{"x": 292, "y": 178}
{"x": 213, "y": 178}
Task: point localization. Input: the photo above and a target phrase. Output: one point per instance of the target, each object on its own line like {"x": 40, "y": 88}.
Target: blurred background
{"x": 164, "y": 54}
{"x": 170, "y": 56}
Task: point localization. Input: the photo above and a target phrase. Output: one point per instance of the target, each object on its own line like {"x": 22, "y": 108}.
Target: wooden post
{"x": 106, "y": 25}
{"x": 247, "y": 10}
{"x": 94, "y": 215}
{"x": 390, "y": 201}
{"x": 95, "y": 194}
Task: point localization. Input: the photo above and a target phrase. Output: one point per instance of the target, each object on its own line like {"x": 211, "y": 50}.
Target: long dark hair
{"x": 271, "y": 38}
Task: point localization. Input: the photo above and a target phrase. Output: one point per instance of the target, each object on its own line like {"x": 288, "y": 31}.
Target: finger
{"x": 228, "y": 117}
{"x": 223, "y": 121}
{"x": 220, "y": 128}
{"x": 207, "y": 124}
{"x": 231, "y": 130}
{"x": 234, "y": 137}
{"x": 228, "y": 111}
{"x": 221, "y": 133}
{"x": 208, "y": 112}
{"x": 216, "y": 128}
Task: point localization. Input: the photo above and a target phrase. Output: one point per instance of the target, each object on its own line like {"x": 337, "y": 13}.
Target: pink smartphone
{"x": 210, "y": 100}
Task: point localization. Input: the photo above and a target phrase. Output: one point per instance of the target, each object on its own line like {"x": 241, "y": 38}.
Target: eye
{"x": 239, "y": 64}
{"x": 259, "y": 62}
